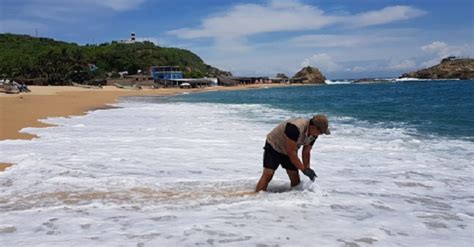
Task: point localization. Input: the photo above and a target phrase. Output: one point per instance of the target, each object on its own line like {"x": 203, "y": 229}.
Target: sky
{"x": 343, "y": 38}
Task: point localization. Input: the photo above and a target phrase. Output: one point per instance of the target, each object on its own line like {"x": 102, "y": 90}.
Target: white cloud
{"x": 439, "y": 50}
{"x": 435, "y": 47}
{"x": 285, "y": 15}
{"x": 385, "y": 15}
{"x": 322, "y": 61}
{"x": 249, "y": 19}
{"x": 324, "y": 40}
{"x": 443, "y": 50}
{"x": 404, "y": 64}
{"x": 232, "y": 44}
{"x": 68, "y": 10}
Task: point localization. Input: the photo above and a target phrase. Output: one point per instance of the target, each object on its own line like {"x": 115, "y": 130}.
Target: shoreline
{"x": 21, "y": 111}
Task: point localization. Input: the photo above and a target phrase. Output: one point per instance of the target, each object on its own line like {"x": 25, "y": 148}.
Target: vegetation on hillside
{"x": 46, "y": 61}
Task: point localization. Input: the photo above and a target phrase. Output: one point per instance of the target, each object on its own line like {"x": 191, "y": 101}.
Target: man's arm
{"x": 307, "y": 155}
{"x": 291, "y": 150}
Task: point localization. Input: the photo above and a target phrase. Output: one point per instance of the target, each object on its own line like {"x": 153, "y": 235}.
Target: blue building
{"x": 161, "y": 73}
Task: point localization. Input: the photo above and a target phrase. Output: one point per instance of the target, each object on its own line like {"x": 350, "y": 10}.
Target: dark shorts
{"x": 272, "y": 159}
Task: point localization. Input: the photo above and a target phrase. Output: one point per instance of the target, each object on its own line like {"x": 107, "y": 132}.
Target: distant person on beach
{"x": 21, "y": 87}
{"x": 282, "y": 145}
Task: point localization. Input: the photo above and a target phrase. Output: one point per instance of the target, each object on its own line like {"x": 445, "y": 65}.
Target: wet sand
{"x": 4, "y": 166}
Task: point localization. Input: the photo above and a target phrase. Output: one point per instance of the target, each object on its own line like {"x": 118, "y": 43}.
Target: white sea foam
{"x": 421, "y": 79}
{"x": 183, "y": 174}
{"x": 331, "y": 82}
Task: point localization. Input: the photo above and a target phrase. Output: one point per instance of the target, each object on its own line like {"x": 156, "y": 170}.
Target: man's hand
{"x": 310, "y": 173}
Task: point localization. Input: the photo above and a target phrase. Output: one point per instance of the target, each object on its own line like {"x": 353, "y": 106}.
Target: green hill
{"x": 47, "y": 61}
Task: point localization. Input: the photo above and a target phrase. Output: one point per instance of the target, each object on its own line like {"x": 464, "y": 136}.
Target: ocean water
{"x": 180, "y": 171}
{"x": 430, "y": 108}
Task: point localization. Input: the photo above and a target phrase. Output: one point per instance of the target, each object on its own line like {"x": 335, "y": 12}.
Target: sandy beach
{"x": 19, "y": 111}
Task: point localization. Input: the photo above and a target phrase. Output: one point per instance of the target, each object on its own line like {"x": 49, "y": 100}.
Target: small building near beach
{"x": 160, "y": 73}
{"x": 189, "y": 82}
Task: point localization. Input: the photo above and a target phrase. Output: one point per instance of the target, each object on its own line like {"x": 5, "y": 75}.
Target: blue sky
{"x": 344, "y": 38}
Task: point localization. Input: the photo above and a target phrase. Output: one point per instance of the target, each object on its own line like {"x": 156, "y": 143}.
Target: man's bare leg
{"x": 265, "y": 179}
{"x": 294, "y": 177}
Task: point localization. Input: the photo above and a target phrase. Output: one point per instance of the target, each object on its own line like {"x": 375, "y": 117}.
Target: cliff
{"x": 449, "y": 68}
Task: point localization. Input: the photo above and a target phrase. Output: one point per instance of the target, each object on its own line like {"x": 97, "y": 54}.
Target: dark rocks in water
{"x": 449, "y": 68}
{"x": 309, "y": 75}
{"x": 372, "y": 80}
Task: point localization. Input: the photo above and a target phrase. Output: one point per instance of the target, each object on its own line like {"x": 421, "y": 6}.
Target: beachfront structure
{"x": 192, "y": 82}
{"x": 243, "y": 80}
{"x": 139, "y": 77}
{"x": 160, "y": 73}
{"x": 280, "y": 80}
{"x": 172, "y": 76}
{"x": 225, "y": 81}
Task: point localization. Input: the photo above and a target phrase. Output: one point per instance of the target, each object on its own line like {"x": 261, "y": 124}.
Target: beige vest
{"x": 277, "y": 137}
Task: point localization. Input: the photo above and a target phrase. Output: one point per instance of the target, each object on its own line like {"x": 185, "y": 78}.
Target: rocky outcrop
{"x": 449, "y": 68}
{"x": 309, "y": 75}
{"x": 281, "y": 76}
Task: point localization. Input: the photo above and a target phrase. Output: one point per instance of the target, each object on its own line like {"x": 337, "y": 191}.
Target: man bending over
{"x": 282, "y": 145}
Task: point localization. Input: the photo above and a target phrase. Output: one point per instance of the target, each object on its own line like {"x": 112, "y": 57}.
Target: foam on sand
{"x": 184, "y": 174}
